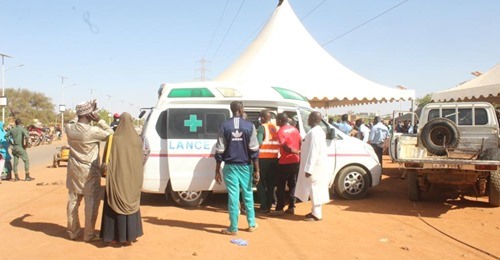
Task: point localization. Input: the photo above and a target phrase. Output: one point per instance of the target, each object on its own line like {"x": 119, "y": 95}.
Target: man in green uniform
{"x": 20, "y": 137}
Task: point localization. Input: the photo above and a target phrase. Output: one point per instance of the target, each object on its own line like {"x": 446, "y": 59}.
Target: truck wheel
{"x": 437, "y": 131}
{"x": 352, "y": 183}
{"x": 413, "y": 189}
{"x": 186, "y": 198}
{"x": 494, "y": 199}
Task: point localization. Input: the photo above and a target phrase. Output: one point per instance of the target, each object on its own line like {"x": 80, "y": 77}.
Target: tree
{"x": 28, "y": 106}
{"x": 421, "y": 102}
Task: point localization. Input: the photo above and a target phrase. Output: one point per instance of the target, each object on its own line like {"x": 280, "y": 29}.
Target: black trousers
{"x": 378, "y": 150}
{"x": 287, "y": 176}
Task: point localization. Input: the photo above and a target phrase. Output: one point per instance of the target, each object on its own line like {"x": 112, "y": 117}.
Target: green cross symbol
{"x": 193, "y": 123}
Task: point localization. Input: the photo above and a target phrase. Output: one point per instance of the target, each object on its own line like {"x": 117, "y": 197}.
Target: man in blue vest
{"x": 238, "y": 148}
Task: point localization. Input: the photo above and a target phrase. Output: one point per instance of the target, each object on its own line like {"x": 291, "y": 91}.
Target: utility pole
{"x": 109, "y": 109}
{"x": 109, "y": 102}
{"x": 62, "y": 107}
{"x": 3, "y": 85}
{"x": 203, "y": 69}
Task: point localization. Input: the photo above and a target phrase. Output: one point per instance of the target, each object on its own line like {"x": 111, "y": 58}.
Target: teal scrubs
{"x": 236, "y": 177}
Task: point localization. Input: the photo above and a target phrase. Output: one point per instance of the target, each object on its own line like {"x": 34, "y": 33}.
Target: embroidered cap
{"x": 85, "y": 108}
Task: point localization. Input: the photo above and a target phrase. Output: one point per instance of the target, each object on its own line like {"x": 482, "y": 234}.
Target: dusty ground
{"x": 384, "y": 225}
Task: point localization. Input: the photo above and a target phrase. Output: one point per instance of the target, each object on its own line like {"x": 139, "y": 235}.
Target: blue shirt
{"x": 378, "y": 134}
{"x": 237, "y": 142}
{"x": 345, "y": 127}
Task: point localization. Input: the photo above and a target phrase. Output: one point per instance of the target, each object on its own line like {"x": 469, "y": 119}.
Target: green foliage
{"x": 105, "y": 115}
{"x": 421, "y": 102}
{"x": 28, "y": 106}
{"x": 69, "y": 115}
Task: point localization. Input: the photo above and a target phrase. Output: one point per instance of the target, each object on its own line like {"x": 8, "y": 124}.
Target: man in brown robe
{"x": 83, "y": 175}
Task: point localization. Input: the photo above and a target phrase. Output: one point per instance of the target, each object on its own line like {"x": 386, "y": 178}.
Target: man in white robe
{"x": 313, "y": 180}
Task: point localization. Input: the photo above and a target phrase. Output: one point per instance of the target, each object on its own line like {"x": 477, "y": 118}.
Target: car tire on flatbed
{"x": 437, "y": 131}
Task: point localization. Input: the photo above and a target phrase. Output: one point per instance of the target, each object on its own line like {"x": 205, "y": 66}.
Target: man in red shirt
{"x": 288, "y": 164}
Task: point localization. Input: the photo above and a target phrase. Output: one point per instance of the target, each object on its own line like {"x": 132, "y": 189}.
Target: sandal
{"x": 252, "y": 229}
{"x": 229, "y": 232}
{"x": 93, "y": 238}
{"x": 127, "y": 243}
{"x": 311, "y": 217}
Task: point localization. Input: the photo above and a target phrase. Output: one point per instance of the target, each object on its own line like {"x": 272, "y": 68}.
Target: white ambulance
{"x": 182, "y": 128}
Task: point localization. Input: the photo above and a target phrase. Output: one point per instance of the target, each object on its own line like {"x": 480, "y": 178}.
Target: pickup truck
{"x": 456, "y": 145}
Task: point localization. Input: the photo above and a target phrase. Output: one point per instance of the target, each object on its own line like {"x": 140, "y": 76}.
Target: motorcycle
{"x": 40, "y": 135}
{"x": 48, "y": 136}
{"x": 35, "y": 138}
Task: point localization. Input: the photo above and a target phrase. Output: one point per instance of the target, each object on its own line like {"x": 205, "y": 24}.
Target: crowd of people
{"x": 273, "y": 157}
{"x": 375, "y": 133}
{"x": 121, "y": 219}
{"x": 17, "y": 140}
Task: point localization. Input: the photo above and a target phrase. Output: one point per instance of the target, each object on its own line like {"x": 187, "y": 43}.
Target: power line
{"x": 342, "y": 35}
{"x": 247, "y": 39}
{"x": 314, "y": 9}
{"x": 216, "y": 28}
{"x": 229, "y": 29}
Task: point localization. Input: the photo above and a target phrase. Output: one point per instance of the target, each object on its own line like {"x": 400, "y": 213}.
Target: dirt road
{"x": 385, "y": 225}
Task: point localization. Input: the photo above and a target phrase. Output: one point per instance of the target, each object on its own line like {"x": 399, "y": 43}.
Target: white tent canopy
{"x": 485, "y": 87}
{"x": 285, "y": 54}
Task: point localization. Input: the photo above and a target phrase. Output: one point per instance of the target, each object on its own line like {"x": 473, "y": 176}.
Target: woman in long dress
{"x": 121, "y": 218}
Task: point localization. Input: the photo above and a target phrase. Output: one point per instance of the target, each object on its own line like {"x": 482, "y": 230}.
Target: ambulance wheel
{"x": 188, "y": 198}
{"x": 352, "y": 183}
{"x": 414, "y": 192}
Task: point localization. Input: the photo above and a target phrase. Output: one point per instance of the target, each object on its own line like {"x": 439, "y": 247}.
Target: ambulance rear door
{"x": 191, "y": 137}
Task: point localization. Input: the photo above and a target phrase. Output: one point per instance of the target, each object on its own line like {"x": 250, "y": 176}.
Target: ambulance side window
{"x": 292, "y": 118}
{"x": 161, "y": 124}
{"x": 213, "y": 122}
{"x": 253, "y": 116}
{"x": 188, "y": 123}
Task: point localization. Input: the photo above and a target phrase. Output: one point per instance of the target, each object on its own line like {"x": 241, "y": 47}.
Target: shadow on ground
{"x": 50, "y": 229}
{"x": 391, "y": 197}
{"x": 211, "y": 228}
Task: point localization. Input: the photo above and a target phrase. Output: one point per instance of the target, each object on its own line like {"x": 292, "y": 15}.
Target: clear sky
{"x": 121, "y": 51}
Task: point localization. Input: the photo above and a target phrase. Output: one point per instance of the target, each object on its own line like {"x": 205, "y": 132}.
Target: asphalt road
{"x": 43, "y": 154}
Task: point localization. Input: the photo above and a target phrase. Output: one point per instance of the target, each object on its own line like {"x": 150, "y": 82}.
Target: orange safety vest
{"x": 270, "y": 147}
